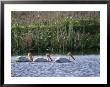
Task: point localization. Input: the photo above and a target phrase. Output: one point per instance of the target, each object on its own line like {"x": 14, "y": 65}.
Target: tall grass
{"x": 56, "y": 36}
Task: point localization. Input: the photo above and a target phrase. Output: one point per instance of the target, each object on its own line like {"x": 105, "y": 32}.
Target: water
{"x": 83, "y": 66}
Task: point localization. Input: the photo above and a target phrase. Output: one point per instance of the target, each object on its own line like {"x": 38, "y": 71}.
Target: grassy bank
{"x": 57, "y": 36}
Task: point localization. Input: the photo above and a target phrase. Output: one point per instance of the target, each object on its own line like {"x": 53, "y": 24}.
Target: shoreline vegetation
{"x": 59, "y": 35}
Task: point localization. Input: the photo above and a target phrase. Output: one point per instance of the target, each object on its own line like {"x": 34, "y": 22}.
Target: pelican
{"x": 30, "y": 56}
{"x": 48, "y": 57}
{"x": 70, "y": 54}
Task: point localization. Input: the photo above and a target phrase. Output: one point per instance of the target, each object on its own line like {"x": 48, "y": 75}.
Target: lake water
{"x": 83, "y": 66}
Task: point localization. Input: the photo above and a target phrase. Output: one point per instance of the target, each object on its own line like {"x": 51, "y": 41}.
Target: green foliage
{"x": 56, "y": 36}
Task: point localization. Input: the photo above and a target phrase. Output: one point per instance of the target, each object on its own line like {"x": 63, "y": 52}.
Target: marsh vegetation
{"x": 43, "y": 32}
